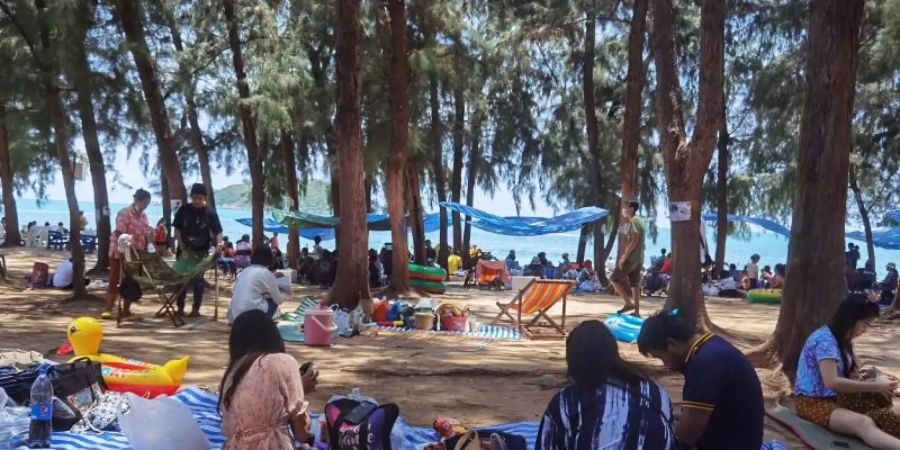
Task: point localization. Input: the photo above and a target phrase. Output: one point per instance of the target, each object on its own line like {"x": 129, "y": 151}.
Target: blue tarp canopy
{"x": 770, "y": 225}
{"x": 377, "y": 222}
{"x": 888, "y": 238}
{"x": 529, "y": 226}
{"x": 894, "y": 216}
{"x": 272, "y": 226}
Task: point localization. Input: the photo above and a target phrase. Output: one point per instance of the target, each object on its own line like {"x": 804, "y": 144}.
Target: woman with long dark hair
{"x": 261, "y": 395}
{"x": 609, "y": 404}
{"x": 829, "y": 390}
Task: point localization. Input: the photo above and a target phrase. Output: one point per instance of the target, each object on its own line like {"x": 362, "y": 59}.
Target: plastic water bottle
{"x": 41, "y": 411}
{"x": 355, "y": 394}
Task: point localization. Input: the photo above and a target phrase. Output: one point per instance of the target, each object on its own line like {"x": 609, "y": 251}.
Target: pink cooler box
{"x": 451, "y": 323}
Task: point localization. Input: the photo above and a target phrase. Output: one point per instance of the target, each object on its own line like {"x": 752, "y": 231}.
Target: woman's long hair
{"x": 593, "y": 358}
{"x": 853, "y": 310}
{"x": 253, "y": 335}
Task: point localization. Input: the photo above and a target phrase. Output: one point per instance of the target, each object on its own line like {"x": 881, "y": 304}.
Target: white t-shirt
{"x": 752, "y": 271}
{"x": 727, "y": 283}
{"x": 251, "y": 289}
{"x": 64, "y": 274}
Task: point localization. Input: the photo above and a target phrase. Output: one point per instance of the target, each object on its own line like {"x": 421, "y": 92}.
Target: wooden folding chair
{"x": 537, "y": 297}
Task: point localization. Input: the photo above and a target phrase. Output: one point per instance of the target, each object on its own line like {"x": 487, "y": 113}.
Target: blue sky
{"x": 130, "y": 171}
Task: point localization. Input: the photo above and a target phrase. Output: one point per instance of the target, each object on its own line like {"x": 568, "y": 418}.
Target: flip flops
{"x": 625, "y": 309}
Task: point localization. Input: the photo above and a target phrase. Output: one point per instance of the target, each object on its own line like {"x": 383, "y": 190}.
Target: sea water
{"x": 771, "y": 247}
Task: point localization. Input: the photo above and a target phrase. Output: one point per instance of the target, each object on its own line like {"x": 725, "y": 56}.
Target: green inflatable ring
{"x": 767, "y": 296}
{"x": 432, "y": 287}
{"x": 426, "y": 273}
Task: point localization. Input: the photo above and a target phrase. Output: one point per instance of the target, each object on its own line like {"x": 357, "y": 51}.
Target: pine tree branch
{"x": 31, "y": 47}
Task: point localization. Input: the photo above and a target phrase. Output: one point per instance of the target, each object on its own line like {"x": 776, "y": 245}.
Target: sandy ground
{"x": 478, "y": 381}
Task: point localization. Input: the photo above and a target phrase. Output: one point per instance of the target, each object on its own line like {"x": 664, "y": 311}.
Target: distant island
{"x": 313, "y": 200}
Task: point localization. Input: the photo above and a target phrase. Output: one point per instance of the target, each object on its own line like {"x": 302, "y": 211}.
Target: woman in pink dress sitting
{"x": 261, "y": 395}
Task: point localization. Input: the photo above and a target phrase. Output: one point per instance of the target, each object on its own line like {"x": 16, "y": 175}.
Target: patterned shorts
{"x": 876, "y": 406}
{"x": 815, "y": 409}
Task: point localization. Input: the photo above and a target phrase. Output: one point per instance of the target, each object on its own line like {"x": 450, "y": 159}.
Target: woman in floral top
{"x": 829, "y": 392}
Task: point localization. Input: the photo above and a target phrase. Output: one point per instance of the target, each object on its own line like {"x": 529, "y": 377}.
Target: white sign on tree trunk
{"x": 680, "y": 211}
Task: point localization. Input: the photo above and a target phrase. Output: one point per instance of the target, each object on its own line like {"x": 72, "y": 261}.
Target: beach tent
{"x": 770, "y": 225}
{"x": 888, "y": 238}
{"x": 529, "y": 226}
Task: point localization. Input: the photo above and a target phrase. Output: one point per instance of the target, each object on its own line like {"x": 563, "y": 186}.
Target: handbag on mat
{"x": 486, "y": 440}
{"x": 355, "y": 425}
{"x": 76, "y": 387}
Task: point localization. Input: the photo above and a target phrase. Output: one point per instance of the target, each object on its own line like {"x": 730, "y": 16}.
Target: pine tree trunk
{"x": 864, "y": 214}
{"x": 85, "y": 95}
{"x": 13, "y": 236}
{"x": 722, "y": 194}
{"x": 166, "y": 204}
{"x": 815, "y": 268}
{"x": 416, "y": 212}
{"x": 130, "y": 16}
{"x": 399, "y": 158}
{"x": 687, "y": 161}
{"x": 471, "y": 176}
{"x": 459, "y": 104}
{"x": 254, "y": 157}
{"x": 634, "y": 85}
{"x": 290, "y": 169}
{"x": 594, "y": 152}
{"x": 583, "y": 238}
{"x": 187, "y": 86}
{"x": 369, "y": 187}
{"x": 351, "y": 284}
{"x": 437, "y": 152}
{"x": 56, "y": 111}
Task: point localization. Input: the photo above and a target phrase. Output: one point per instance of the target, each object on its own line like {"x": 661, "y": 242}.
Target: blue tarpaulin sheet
{"x": 529, "y": 226}
{"x": 894, "y": 216}
{"x": 770, "y": 225}
{"x": 377, "y": 222}
{"x": 274, "y": 227}
{"x": 888, "y": 238}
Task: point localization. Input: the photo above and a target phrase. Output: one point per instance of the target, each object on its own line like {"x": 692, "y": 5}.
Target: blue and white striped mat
{"x": 203, "y": 406}
{"x": 484, "y": 331}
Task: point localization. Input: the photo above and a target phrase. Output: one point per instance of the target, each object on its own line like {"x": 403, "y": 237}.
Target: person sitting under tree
{"x": 722, "y": 405}
{"x": 197, "y": 229}
{"x": 833, "y": 393}
{"x": 626, "y": 277}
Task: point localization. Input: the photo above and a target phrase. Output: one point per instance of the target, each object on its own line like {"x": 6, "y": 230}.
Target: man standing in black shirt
{"x": 197, "y": 229}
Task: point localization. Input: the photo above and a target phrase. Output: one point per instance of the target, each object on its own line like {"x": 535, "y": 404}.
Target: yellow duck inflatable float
{"x": 124, "y": 374}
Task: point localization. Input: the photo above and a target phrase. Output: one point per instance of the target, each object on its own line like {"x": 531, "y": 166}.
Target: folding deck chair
{"x": 152, "y": 273}
{"x": 537, "y": 297}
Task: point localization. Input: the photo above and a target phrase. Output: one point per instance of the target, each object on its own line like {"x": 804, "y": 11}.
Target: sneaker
{"x": 194, "y": 314}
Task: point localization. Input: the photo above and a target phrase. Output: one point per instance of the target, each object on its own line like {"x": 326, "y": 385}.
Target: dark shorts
{"x": 630, "y": 274}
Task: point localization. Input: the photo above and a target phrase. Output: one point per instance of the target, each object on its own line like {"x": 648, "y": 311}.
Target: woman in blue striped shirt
{"x": 610, "y": 404}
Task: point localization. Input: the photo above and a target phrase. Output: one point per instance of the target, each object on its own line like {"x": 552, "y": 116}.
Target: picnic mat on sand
{"x": 203, "y": 406}
{"x": 812, "y": 434}
{"x": 288, "y": 327}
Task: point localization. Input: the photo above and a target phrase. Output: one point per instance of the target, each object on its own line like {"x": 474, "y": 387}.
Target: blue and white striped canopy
{"x": 529, "y": 226}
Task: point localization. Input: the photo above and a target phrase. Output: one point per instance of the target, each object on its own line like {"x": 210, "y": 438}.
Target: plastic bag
{"x": 161, "y": 423}
{"x": 14, "y": 420}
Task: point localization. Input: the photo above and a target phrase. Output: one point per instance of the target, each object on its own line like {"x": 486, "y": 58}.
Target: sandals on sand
{"x": 625, "y": 309}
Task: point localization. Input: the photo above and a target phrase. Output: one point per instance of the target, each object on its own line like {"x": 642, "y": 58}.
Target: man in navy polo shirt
{"x": 722, "y": 399}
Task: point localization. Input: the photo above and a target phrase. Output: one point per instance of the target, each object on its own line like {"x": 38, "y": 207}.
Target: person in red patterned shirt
{"x": 130, "y": 220}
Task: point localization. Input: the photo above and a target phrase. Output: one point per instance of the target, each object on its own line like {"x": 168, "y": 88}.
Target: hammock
{"x": 151, "y": 272}
{"x": 529, "y": 226}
